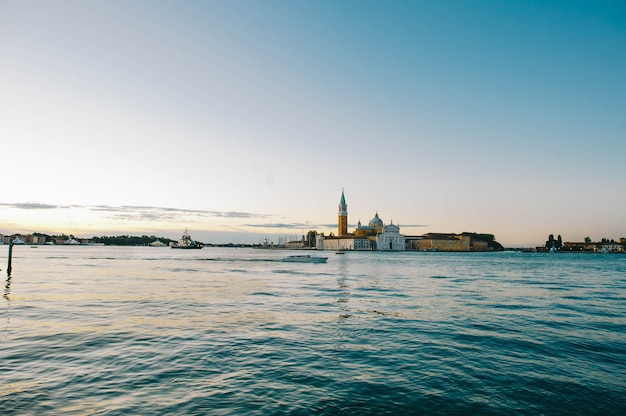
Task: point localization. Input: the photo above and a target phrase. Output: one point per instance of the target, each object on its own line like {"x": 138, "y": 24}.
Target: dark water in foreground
{"x": 134, "y": 331}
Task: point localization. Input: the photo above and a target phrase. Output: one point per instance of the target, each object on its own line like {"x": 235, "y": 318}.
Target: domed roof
{"x": 376, "y": 222}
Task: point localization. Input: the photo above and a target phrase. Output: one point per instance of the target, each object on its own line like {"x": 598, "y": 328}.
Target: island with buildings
{"x": 378, "y": 236}
{"x": 375, "y": 236}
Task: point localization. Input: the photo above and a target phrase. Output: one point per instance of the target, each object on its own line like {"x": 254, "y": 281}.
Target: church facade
{"x": 374, "y": 236}
{"x": 390, "y": 239}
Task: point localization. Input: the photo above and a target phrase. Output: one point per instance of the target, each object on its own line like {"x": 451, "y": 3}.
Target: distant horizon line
{"x": 619, "y": 240}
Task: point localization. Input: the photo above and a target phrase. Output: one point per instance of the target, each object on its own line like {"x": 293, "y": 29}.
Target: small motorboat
{"x": 304, "y": 258}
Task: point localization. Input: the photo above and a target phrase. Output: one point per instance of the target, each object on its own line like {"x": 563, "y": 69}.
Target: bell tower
{"x": 342, "y": 223}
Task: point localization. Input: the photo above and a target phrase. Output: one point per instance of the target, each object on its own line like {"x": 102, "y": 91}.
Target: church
{"x": 374, "y": 236}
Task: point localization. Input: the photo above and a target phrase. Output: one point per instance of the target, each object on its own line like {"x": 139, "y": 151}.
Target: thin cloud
{"x": 236, "y": 214}
{"x": 354, "y": 225}
{"x": 132, "y": 212}
{"x": 30, "y": 205}
{"x": 281, "y": 225}
{"x": 150, "y": 213}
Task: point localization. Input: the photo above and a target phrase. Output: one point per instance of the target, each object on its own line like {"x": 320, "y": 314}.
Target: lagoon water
{"x": 138, "y": 330}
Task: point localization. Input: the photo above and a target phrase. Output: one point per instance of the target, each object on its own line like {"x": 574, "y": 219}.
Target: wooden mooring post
{"x": 10, "y": 257}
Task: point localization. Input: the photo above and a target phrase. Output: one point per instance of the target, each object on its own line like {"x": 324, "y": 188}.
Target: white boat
{"x": 304, "y": 258}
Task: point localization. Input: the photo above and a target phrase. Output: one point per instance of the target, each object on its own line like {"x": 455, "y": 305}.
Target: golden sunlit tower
{"x": 343, "y": 215}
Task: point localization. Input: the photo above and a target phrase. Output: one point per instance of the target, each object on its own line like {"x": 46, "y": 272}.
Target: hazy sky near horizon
{"x": 249, "y": 117}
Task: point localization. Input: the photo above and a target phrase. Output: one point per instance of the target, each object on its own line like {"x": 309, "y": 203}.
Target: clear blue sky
{"x": 243, "y": 119}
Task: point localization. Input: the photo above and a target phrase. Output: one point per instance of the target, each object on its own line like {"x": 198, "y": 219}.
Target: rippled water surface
{"x": 115, "y": 330}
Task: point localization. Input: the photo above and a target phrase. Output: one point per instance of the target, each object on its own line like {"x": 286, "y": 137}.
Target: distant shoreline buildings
{"x": 376, "y": 236}
{"x": 37, "y": 239}
{"x": 603, "y": 246}
{"x": 69, "y": 240}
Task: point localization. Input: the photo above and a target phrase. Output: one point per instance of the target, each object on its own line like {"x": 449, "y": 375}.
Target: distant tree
{"x": 490, "y": 239}
{"x": 126, "y": 240}
{"x": 311, "y": 239}
{"x": 485, "y": 237}
{"x": 559, "y": 242}
{"x": 45, "y": 236}
{"x": 587, "y": 240}
{"x": 550, "y": 242}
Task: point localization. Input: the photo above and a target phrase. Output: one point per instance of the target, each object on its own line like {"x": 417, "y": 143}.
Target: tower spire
{"x": 342, "y": 223}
